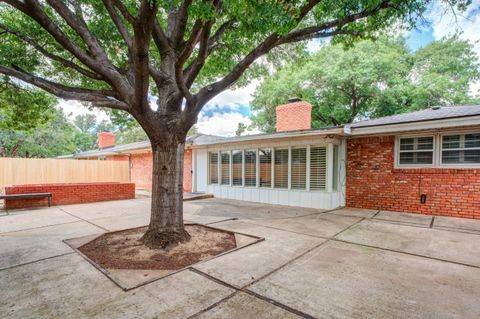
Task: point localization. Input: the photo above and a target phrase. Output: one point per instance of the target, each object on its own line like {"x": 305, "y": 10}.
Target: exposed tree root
{"x": 155, "y": 239}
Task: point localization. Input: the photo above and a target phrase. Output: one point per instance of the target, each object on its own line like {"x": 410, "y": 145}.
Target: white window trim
{"x": 209, "y": 170}
{"x": 437, "y": 151}
{"x": 242, "y": 151}
{"x": 326, "y": 172}
{"x": 397, "y": 151}
{"x": 270, "y": 146}
{"x": 454, "y": 165}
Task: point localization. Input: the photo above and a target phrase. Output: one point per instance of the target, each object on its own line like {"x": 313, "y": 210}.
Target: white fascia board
{"x": 417, "y": 126}
{"x": 275, "y": 136}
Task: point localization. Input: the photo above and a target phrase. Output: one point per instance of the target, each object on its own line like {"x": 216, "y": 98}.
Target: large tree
{"x": 347, "y": 84}
{"x": 118, "y": 54}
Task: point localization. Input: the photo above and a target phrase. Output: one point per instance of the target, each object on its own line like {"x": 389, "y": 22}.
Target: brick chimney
{"x": 106, "y": 139}
{"x": 296, "y": 115}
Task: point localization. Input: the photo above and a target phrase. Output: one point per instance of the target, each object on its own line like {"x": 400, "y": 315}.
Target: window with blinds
{"x": 461, "y": 149}
{"x": 318, "y": 168}
{"x": 335, "y": 168}
{"x": 250, "y": 168}
{"x": 213, "y": 167}
{"x": 416, "y": 150}
{"x": 265, "y": 170}
{"x": 281, "y": 168}
{"x": 299, "y": 168}
{"x": 237, "y": 168}
{"x": 225, "y": 168}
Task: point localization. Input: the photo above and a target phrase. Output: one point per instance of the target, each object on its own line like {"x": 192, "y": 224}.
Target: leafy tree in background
{"x": 89, "y": 127}
{"x": 56, "y": 137}
{"x": 241, "y": 128}
{"x": 370, "y": 79}
{"x": 22, "y": 110}
{"x": 443, "y": 72}
{"x": 117, "y": 54}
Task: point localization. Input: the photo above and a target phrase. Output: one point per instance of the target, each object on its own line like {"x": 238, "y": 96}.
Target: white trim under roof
{"x": 461, "y": 122}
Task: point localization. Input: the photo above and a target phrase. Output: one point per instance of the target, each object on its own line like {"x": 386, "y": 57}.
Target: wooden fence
{"x": 17, "y": 171}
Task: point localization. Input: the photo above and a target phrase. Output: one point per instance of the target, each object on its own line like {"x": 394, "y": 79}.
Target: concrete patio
{"x": 347, "y": 263}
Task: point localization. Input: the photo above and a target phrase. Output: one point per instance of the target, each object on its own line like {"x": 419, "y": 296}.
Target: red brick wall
{"x": 73, "y": 193}
{"x": 294, "y": 116}
{"x": 373, "y": 182}
{"x": 141, "y": 170}
{"x": 187, "y": 171}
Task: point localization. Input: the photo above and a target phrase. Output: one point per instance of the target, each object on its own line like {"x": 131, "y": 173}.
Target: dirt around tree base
{"x": 125, "y": 250}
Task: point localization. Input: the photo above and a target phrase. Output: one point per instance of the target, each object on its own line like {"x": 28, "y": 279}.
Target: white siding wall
{"x": 328, "y": 199}
{"x": 317, "y": 199}
{"x": 200, "y": 170}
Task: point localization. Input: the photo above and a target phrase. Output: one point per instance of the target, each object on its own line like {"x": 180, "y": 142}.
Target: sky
{"x": 223, "y": 113}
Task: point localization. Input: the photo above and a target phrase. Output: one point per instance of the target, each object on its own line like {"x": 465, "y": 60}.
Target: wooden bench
{"x": 32, "y": 195}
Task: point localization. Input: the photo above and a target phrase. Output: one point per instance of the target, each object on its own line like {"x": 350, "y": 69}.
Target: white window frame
{"x": 242, "y": 151}
{"x": 437, "y": 154}
{"x": 455, "y": 165}
{"x": 327, "y": 168}
{"x": 397, "y": 151}
{"x": 209, "y": 170}
{"x": 329, "y": 145}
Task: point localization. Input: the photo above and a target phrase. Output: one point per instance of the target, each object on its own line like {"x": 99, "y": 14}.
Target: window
{"x": 335, "y": 168}
{"x": 318, "y": 168}
{"x": 461, "y": 149}
{"x": 225, "y": 168}
{"x": 299, "y": 168}
{"x": 265, "y": 170}
{"x": 237, "y": 168}
{"x": 213, "y": 167}
{"x": 250, "y": 168}
{"x": 416, "y": 150}
{"x": 281, "y": 168}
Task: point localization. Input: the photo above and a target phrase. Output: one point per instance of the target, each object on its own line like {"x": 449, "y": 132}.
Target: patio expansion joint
{"x": 39, "y": 227}
{"x": 332, "y": 238}
{"x": 83, "y": 219}
{"x": 247, "y": 291}
{"x": 221, "y": 221}
{"x": 36, "y": 261}
{"x": 406, "y": 253}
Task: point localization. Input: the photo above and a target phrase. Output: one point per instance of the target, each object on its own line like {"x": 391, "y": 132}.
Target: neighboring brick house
{"x": 139, "y": 156}
{"x": 424, "y": 162}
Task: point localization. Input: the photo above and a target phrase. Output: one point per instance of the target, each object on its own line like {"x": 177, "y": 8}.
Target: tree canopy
{"x": 371, "y": 79}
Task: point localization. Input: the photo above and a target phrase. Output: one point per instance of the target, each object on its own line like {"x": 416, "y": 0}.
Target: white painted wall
{"x": 317, "y": 199}
{"x": 200, "y": 170}
{"x": 328, "y": 199}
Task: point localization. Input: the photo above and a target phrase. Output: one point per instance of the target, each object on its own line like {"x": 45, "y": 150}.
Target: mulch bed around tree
{"x": 124, "y": 250}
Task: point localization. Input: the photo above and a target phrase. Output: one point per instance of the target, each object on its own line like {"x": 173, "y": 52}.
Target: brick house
{"x": 424, "y": 162}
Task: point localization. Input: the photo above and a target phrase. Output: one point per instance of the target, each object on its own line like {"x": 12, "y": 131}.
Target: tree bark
{"x": 166, "y": 222}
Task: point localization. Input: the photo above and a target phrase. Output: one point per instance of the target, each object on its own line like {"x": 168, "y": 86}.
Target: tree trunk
{"x": 166, "y": 222}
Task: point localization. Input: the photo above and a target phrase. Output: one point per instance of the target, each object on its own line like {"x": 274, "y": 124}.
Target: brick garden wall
{"x": 373, "y": 182}
{"x": 73, "y": 193}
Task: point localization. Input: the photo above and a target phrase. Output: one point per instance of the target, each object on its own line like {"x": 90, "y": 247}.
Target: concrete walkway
{"x": 348, "y": 263}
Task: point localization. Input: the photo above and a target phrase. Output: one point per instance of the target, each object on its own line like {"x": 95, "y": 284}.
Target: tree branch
{"x": 327, "y": 29}
{"x": 122, "y": 29}
{"x": 51, "y": 56}
{"x": 34, "y": 10}
{"x": 142, "y": 28}
{"x": 177, "y": 25}
{"x": 98, "y": 97}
